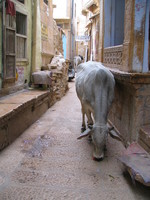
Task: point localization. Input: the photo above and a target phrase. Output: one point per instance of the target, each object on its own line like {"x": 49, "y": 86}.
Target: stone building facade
{"x": 43, "y": 45}
{"x": 91, "y": 11}
{"x": 65, "y": 19}
{"x": 30, "y": 38}
{"x": 47, "y": 67}
{"x": 80, "y": 21}
{"x": 57, "y": 36}
{"x": 15, "y": 45}
{"x": 27, "y": 43}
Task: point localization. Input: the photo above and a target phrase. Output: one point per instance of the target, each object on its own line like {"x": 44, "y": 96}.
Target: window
{"x": 9, "y": 47}
{"x": 46, "y": 1}
{"x": 114, "y": 22}
{"x": 22, "y": 1}
{"x": 60, "y": 25}
{"x": 21, "y": 34}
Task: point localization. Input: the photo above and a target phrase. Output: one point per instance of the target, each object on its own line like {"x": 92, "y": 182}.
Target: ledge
{"x": 62, "y": 20}
{"x": 136, "y": 78}
{"x": 19, "y": 111}
{"x": 15, "y": 104}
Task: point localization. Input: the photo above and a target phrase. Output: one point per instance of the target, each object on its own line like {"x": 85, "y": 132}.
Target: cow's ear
{"x": 85, "y": 133}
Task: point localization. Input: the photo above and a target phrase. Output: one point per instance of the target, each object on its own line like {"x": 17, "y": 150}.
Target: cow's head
{"x": 99, "y": 135}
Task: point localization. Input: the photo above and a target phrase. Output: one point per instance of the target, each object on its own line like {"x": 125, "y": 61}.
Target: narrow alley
{"x": 48, "y": 162}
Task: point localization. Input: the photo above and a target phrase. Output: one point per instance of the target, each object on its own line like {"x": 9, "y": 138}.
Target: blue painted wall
{"x": 139, "y": 34}
{"x": 146, "y": 39}
{"x": 64, "y": 45}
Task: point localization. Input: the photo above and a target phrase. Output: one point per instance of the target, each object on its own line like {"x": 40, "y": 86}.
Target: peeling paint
{"x": 139, "y": 29}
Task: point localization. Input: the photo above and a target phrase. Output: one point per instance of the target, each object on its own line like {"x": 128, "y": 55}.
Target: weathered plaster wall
{"x": 139, "y": 33}
{"x": 43, "y": 47}
{"x": 23, "y": 66}
{"x": 62, "y": 15}
{"x": 57, "y": 35}
{"x": 80, "y": 29}
{"x": 133, "y": 46}
{"x": 80, "y": 49}
{"x": 36, "y": 44}
{"x": 128, "y": 36}
{"x": 95, "y": 38}
{"x": 146, "y": 39}
{"x": 46, "y": 31}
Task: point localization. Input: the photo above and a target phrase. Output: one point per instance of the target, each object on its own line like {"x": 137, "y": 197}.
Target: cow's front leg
{"x": 83, "y": 128}
{"x": 90, "y": 120}
{"x": 90, "y": 124}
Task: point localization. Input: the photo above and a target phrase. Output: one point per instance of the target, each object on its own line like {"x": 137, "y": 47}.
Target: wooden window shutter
{"x": 9, "y": 45}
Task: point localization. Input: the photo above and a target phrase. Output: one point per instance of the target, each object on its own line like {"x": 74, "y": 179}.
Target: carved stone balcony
{"x": 89, "y": 5}
{"x": 113, "y": 56}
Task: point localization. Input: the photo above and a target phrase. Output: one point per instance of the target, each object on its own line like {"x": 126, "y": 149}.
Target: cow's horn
{"x": 85, "y": 133}
{"x": 110, "y": 128}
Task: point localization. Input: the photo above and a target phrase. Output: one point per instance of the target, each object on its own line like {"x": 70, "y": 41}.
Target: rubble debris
{"x": 42, "y": 77}
{"x": 137, "y": 162}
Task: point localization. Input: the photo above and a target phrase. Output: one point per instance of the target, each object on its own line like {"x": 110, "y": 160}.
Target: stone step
{"x": 137, "y": 162}
{"x": 144, "y": 137}
{"x": 19, "y": 111}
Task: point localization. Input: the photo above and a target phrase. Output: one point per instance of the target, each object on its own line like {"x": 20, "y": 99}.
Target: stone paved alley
{"x": 48, "y": 162}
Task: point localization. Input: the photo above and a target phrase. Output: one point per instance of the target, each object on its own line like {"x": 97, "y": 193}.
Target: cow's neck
{"x": 101, "y": 111}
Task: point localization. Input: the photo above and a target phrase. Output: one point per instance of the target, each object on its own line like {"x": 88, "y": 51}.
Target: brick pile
{"x": 59, "y": 80}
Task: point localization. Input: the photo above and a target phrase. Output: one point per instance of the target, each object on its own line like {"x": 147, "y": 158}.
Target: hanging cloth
{"x": 10, "y": 8}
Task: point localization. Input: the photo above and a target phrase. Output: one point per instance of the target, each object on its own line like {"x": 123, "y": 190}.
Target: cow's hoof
{"x": 83, "y": 129}
{"x": 90, "y": 126}
{"x": 90, "y": 138}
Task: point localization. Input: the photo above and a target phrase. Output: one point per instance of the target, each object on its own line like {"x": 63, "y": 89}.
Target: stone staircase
{"x": 144, "y": 138}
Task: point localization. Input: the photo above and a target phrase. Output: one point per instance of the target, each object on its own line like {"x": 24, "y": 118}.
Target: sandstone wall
{"x": 131, "y": 109}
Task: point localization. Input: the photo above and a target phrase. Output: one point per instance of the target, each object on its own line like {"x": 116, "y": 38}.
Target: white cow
{"x": 77, "y": 60}
{"x": 95, "y": 89}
